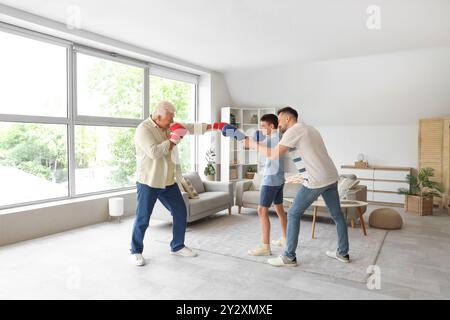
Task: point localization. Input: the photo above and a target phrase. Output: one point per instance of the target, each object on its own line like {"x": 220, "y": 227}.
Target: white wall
{"x": 220, "y": 97}
{"x": 213, "y": 96}
{"x": 367, "y": 105}
{"x": 30, "y": 222}
{"x": 389, "y": 145}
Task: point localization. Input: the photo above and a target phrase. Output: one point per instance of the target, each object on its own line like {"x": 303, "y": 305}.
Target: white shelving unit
{"x": 234, "y": 158}
{"x": 382, "y": 183}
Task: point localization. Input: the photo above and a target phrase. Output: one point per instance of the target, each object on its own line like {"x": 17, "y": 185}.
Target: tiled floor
{"x": 92, "y": 263}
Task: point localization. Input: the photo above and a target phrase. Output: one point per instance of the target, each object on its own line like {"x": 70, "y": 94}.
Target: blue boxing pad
{"x": 258, "y": 136}
{"x": 233, "y": 132}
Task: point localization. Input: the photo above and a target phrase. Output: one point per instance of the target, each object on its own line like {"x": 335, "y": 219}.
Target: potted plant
{"x": 210, "y": 170}
{"x": 233, "y": 119}
{"x": 251, "y": 172}
{"x": 419, "y": 196}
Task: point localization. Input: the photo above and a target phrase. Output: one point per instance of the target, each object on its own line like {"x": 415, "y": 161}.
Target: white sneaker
{"x": 282, "y": 261}
{"x": 185, "y": 252}
{"x": 279, "y": 242}
{"x": 337, "y": 256}
{"x": 138, "y": 259}
{"x": 262, "y": 250}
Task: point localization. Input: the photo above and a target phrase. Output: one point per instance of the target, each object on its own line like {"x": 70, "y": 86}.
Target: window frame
{"x": 17, "y": 118}
{"x": 98, "y": 121}
{"x": 73, "y": 119}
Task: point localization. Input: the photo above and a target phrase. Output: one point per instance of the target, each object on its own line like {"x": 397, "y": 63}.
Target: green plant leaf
{"x": 421, "y": 185}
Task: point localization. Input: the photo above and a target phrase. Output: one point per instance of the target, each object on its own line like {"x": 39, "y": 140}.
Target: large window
{"x": 105, "y": 158}
{"x": 107, "y": 93}
{"x": 68, "y": 116}
{"x": 33, "y": 123}
{"x": 32, "y": 77}
{"x": 33, "y": 162}
{"x": 109, "y": 89}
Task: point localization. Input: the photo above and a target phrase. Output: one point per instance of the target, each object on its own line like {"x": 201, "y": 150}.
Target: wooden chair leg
{"x": 239, "y": 209}
{"x": 352, "y": 222}
{"x": 229, "y": 211}
{"x": 314, "y": 223}
{"x": 361, "y": 220}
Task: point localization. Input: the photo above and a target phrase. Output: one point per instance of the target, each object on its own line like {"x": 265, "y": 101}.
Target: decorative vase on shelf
{"x": 249, "y": 175}
{"x": 361, "y": 161}
{"x": 254, "y": 119}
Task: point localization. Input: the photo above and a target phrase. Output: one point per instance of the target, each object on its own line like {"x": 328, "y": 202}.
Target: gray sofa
{"x": 247, "y": 196}
{"x": 213, "y": 197}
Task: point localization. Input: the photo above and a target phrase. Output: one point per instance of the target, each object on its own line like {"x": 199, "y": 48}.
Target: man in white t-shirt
{"x": 320, "y": 179}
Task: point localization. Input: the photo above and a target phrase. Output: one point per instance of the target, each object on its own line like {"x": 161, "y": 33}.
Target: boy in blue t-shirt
{"x": 271, "y": 189}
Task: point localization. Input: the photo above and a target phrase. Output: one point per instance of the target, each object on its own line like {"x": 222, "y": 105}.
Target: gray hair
{"x": 162, "y": 108}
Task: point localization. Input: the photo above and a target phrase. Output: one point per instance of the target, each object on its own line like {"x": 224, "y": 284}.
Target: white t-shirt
{"x": 311, "y": 156}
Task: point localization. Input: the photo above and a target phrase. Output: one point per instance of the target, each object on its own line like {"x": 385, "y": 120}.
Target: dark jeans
{"x": 172, "y": 199}
{"x": 303, "y": 199}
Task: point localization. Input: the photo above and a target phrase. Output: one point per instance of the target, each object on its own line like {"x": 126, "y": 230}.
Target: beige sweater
{"x": 157, "y": 165}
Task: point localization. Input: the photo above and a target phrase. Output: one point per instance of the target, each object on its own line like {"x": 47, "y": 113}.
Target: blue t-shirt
{"x": 273, "y": 169}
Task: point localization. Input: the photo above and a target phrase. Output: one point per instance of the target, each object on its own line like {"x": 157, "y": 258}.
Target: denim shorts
{"x": 271, "y": 194}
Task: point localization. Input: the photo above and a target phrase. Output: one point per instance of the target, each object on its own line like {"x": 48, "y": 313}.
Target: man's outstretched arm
{"x": 271, "y": 153}
{"x": 197, "y": 128}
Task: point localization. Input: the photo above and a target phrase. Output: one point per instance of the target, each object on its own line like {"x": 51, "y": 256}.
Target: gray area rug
{"x": 234, "y": 235}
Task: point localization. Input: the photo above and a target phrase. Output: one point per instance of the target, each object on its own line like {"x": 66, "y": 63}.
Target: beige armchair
{"x": 247, "y": 192}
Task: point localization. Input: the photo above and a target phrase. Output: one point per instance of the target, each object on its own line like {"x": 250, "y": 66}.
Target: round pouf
{"x": 385, "y": 218}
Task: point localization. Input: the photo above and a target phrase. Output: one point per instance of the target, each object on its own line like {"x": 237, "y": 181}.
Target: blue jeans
{"x": 303, "y": 199}
{"x": 172, "y": 199}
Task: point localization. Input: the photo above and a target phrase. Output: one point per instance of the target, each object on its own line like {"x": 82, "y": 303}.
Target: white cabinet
{"x": 380, "y": 185}
{"x": 390, "y": 174}
{"x": 367, "y": 183}
{"x": 383, "y": 197}
{"x": 382, "y": 182}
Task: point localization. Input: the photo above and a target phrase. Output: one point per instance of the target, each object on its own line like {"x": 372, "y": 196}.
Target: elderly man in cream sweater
{"x": 158, "y": 171}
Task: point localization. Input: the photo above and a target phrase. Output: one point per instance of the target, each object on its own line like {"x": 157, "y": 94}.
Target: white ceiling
{"x": 235, "y": 34}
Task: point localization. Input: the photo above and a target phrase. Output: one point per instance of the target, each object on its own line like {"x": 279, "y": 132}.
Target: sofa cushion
{"x": 348, "y": 175}
{"x": 251, "y": 197}
{"x": 257, "y": 180}
{"x": 189, "y": 188}
{"x": 208, "y": 201}
{"x": 355, "y": 183}
{"x": 344, "y": 185}
{"x": 196, "y": 181}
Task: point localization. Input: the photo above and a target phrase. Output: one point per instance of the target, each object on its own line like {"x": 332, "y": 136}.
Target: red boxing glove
{"x": 177, "y": 132}
{"x": 219, "y": 125}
